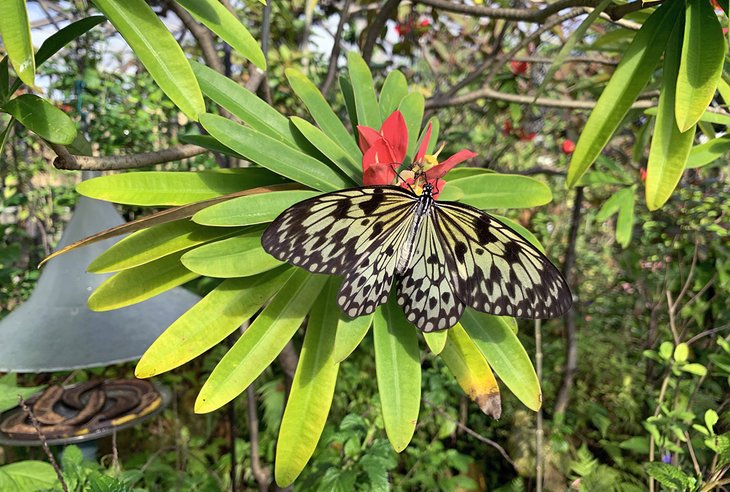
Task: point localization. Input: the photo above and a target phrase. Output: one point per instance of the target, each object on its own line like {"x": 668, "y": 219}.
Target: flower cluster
{"x": 385, "y": 150}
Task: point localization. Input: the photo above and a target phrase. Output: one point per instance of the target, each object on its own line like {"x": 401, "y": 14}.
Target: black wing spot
{"x": 484, "y": 231}
{"x": 432, "y": 302}
{"x": 364, "y": 222}
{"x": 377, "y": 229}
{"x": 512, "y": 252}
{"x": 341, "y": 209}
{"x": 460, "y": 250}
{"x": 373, "y": 203}
{"x": 432, "y": 260}
{"x": 445, "y": 297}
{"x": 479, "y": 251}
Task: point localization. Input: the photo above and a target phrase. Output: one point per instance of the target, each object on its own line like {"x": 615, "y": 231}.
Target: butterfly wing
{"x": 356, "y": 233}
{"x": 495, "y": 270}
{"x": 424, "y": 287}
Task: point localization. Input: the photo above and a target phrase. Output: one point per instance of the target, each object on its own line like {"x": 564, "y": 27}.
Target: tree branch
{"x": 376, "y": 27}
{"x": 335, "y": 54}
{"x": 70, "y": 162}
{"x": 202, "y": 35}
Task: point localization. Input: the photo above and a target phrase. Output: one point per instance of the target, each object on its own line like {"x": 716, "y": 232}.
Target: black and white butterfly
{"x": 443, "y": 256}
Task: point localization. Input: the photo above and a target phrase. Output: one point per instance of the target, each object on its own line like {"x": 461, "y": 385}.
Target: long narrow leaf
{"x": 700, "y": 69}
{"x": 238, "y": 256}
{"x": 15, "y": 32}
{"x": 436, "y": 340}
{"x": 398, "y": 371}
{"x": 331, "y": 149}
{"x": 629, "y": 78}
{"x": 43, "y": 118}
{"x": 505, "y": 354}
{"x": 708, "y": 152}
{"x": 312, "y": 391}
{"x": 221, "y": 21}
{"x": 211, "y": 320}
{"x": 493, "y": 190}
{"x": 366, "y": 103}
{"x": 472, "y": 371}
{"x": 274, "y": 155}
{"x": 322, "y": 113}
{"x": 140, "y": 283}
{"x": 670, "y": 146}
{"x": 261, "y": 342}
{"x": 394, "y": 90}
{"x": 250, "y": 210}
{"x": 350, "y": 333}
{"x": 412, "y": 106}
{"x": 157, "y": 50}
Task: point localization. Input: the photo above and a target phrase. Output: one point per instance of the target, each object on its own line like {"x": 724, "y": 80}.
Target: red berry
{"x": 518, "y": 67}
{"x": 568, "y": 146}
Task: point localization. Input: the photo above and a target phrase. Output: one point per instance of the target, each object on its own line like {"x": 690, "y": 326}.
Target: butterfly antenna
{"x": 401, "y": 178}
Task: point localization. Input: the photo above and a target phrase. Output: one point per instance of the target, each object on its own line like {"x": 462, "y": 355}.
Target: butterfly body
{"x": 442, "y": 256}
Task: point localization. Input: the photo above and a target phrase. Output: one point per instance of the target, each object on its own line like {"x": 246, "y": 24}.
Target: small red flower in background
{"x": 642, "y": 174}
{"x": 518, "y": 67}
{"x": 384, "y": 151}
{"x": 568, "y": 146}
{"x": 525, "y": 136}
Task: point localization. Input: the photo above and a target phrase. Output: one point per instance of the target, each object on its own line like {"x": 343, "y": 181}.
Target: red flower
{"x": 518, "y": 67}
{"x": 642, "y": 174}
{"x": 424, "y": 23}
{"x": 568, "y": 146}
{"x": 384, "y": 151}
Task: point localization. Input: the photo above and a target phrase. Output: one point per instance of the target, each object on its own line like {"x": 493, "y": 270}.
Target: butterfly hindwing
{"x": 494, "y": 269}
{"x": 424, "y": 287}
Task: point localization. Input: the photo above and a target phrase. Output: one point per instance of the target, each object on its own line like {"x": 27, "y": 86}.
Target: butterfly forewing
{"x": 424, "y": 287}
{"x": 495, "y": 270}
{"x": 332, "y": 232}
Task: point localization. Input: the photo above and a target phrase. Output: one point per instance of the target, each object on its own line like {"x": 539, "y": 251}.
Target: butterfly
{"x": 442, "y": 256}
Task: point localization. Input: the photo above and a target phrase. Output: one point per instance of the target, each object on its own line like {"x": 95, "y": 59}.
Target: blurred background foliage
{"x": 650, "y": 328}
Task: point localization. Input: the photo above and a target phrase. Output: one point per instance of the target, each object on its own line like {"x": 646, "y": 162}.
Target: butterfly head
{"x": 427, "y": 189}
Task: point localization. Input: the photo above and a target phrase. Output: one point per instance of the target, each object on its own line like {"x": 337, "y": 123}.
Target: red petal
{"x": 378, "y": 174}
{"x": 424, "y": 144}
{"x": 438, "y": 188}
{"x": 446, "y": 166}
{"x": 379, "y": 153}
{"x": 395, "y": 132}
{"x": 367, "y": 137}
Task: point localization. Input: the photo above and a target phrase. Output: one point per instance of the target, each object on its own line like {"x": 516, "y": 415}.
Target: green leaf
{"x": 670, "y": 147}
{"x": 174, "y": 188}
{"x": 708, "y": 152}
{"x": 681, "y": 352}
{"x": 43, "y": 118}
{"x": 398, "y": 369}
{"x": 349, "y": 97}
{"x": 158, "y": 51}
{"x": 505, "y": 354}
{"x": 665, "y": 350}
{"x": 350, "y": 333}
{"x": 700, "y": 69}
{"x": 222, "y": 22}
{"x": 696, "y": 369}
{"x": 10, "y": 392}
{"x": 435, "y": 127}
{"x": 394, "y": 90}
{"x": 238, "y": 256}
{"x": 711, "y": 418}
{"x": 4, "y": 82}
{"x": 436, "y": 340}
{"x": 15, "y": 32}
{"x": 625, "y": 219}
{"x": 366, "y": 104}
{"x": 274, "y": 155}
{"x": 323, "y": 115}
{"x": 210, "y": 321}
{"x": 140, "y": 283}
{"x": 27, "y": 476}
{"x": 669, "y": 476}
{"x": 629, "y": 78}
{"x": 472, "y": 371}
{"x": 56, "y": 41}
{"x": 252, "y": 209}
{"x": 331, "y": 149}
{"x": 243, "y": 103}
{"x": 152, "y": 243}
{"x": 493, "y": 190}
{"x": 412, "y": 106}
{"x": 312, "y": 390}
{"x": 261, "y": 342}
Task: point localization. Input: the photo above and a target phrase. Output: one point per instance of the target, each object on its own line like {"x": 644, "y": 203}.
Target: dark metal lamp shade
{"x": 55, "y": 331}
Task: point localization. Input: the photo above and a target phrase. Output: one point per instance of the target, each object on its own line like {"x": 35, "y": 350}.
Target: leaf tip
{"x": 490, "y": 404}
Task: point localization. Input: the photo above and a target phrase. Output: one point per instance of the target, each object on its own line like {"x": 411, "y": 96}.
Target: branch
{"x": 260, "y": 473}
{"x": 571, "y": 59}
{"x": 614, "y": 12}
{"x": 44, "y": 443}
{"x": 70, "y": 162}
{"x": 335, "y": 54}
{"x": 489, "y": 93}
{"x": 376, "y": 27}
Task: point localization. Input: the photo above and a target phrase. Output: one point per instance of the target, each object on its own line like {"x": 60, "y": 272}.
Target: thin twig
{"x": 335, "y": 53}
{"x": 68, "y": 161}
{"x": 44, "y": 443}
{"x": 539, "y": 432}
{"x": 473, "y": 433}
{"x": 376, "y": 26}
{"x": 260, "y": 473}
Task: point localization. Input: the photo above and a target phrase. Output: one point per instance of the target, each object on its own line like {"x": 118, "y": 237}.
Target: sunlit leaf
{"x": 492, "y": 190}
{"x": 43, "y": 118}
{"x": 394, "y": 90}
{"x": 366, "y": 103}
{"x": 350, "y": 333}
{"x": 412, "y": 106}
{"x": 250, "y": 210}
{"x": 15, "y": 32}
